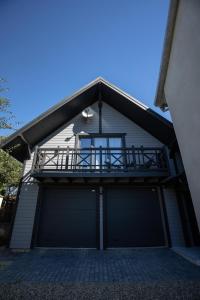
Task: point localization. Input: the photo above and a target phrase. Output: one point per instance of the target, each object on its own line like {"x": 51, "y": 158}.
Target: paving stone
{"x": 81, "y": 266}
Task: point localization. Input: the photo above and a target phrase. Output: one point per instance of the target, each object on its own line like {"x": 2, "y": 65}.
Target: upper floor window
{"x": 111, "y": 153}
{"x": 101, "y": 141}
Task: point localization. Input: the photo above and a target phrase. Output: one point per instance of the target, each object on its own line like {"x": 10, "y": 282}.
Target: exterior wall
{"x": 24, "y": 220}
{"x": 112, "y": 122}
{"x": 182, "y": 87}
{"x": 173, "y": 216}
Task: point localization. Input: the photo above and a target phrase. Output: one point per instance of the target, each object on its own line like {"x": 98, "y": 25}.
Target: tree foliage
{"x": 10, "y": 168}
{"x": 10, "y": 171}
{"x": 6, "y": 116}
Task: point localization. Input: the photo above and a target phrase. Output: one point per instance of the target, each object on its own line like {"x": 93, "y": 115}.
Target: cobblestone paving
{"x": 90, "y": 266}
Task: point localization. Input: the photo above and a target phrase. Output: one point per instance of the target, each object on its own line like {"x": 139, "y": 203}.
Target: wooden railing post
{"x": 142, "y": 153}
{"x": 125, "y": 154}
{"x": 67, "y": 158}
{"x": 57, "y": 158}
{"x": 133, "y": 156}
{"x": 91, "y": 158}
{"x": 101, "y": 159}
{"x": 166, "y": 160}
{"x": 100, "y": 154}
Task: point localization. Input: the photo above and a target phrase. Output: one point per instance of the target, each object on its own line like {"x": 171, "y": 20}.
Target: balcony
{"x": 99, "y": 162}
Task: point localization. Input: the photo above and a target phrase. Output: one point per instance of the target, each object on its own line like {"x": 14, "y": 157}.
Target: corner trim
{"x": 15, "y": 213}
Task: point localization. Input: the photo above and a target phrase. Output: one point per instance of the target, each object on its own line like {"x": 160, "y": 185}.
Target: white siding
{"x": 115, "y": 122}
{"x": 27, "y": 167}
{"x": 69, "y": 130}
{"x": 173, "y": 215}
{"x": 24, "y": 220}
{"x": 112, "y": 122}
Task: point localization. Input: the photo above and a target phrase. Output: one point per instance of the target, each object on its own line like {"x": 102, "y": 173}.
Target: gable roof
{"x": 23, "y": 140}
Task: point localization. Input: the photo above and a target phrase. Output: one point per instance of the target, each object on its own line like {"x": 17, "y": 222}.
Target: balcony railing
{"x": 99, "y": 160}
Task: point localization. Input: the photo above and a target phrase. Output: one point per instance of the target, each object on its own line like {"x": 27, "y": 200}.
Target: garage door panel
{"x": 130, "y": 195}
{"x": 133, "y": 218}
{"x": 67, "y": 218}
{"x": 75, "y": 198}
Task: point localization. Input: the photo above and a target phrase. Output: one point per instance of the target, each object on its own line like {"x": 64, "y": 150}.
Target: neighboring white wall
{"x": 113, "y": 122}
{"x": 173, "y": 216}
{"x": 182, "y": 92}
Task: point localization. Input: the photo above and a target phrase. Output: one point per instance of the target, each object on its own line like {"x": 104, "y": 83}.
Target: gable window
{"x": 100, "y": 141}
{"x": 101, "y": 151}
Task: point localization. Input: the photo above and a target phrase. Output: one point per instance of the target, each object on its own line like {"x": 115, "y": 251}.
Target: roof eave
{"x": 49, "y": 111}
{"x": 18, "y": 148}
{"x": 160, "y": 95}
{"x": 31, "y": 134}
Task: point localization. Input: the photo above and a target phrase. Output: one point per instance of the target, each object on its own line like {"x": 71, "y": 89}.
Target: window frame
{"x": 100, "y": 135}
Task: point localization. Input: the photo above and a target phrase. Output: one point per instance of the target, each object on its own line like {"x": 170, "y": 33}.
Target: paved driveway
{"x": 91, "y": 274}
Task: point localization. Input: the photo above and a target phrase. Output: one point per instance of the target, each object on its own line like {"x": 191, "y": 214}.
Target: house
{"x": 178, "y": 87}
{"x": 96, "y": 175}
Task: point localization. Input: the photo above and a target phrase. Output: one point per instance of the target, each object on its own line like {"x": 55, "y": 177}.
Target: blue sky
{"x": 51, "y": 48}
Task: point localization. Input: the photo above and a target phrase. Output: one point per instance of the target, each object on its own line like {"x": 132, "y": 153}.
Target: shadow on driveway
{"x": 157, "y": 273}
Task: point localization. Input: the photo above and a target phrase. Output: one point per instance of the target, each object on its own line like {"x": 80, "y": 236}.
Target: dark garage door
{"x": 67, "y": 218}
{"x": 133, "y": 218}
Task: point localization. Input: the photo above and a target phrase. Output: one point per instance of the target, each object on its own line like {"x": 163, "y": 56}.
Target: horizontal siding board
{"x": 23, "y": 224}
{"x": 114, "y": 121}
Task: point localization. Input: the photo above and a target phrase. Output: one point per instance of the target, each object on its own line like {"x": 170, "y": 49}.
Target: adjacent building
{"x": 179, "y": 87}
